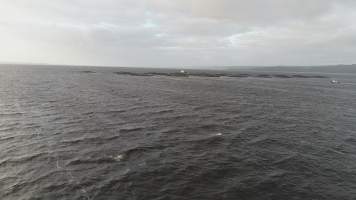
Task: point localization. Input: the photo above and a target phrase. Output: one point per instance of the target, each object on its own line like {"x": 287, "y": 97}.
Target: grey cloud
{"x": 174, "y": 33}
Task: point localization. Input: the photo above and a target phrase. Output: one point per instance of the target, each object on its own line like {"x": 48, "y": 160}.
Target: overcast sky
{"x": 170, "y": 33}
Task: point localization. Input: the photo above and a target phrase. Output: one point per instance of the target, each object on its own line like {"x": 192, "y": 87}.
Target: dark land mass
{"x": 206, "y": 74}
{"x": 309, "y": 69}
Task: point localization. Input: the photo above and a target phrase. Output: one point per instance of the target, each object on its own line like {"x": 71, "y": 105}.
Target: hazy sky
{"x": 178, "y": 32}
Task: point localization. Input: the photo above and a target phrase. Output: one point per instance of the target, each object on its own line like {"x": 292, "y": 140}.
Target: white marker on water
{"x": 334, "y": 81}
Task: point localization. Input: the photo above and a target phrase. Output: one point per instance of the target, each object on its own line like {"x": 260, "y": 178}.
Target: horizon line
{"x": 173, "y": 67}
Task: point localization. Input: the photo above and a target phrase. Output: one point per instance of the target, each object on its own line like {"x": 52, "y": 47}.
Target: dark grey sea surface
{"x": 91, "y": 133}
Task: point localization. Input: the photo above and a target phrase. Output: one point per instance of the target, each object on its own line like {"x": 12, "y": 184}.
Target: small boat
{"x": 334, "y": 81}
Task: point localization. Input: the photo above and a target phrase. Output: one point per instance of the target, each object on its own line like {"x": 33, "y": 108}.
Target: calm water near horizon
{"x": 90, "y": 133}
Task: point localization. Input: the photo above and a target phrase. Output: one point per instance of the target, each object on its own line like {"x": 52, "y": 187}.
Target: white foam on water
{"x": 118, "y": 157}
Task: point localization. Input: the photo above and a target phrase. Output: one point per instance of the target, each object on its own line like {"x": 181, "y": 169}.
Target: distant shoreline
{"x": 232, "y": 75}
{"x": 291, "y": 69}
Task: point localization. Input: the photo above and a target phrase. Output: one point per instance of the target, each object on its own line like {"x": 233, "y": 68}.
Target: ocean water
{"x": 69, "y": 133}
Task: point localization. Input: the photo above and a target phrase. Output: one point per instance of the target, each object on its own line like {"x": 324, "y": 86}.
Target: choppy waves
{"x": 103, "y": 135}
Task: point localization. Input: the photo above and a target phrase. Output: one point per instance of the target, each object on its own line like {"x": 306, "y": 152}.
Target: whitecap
{"x": 118, "y": 157}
